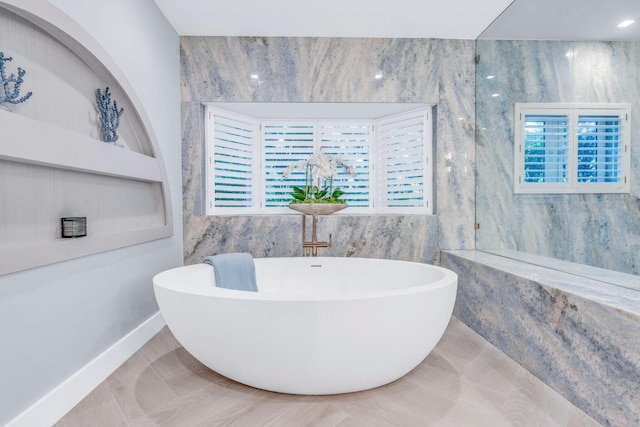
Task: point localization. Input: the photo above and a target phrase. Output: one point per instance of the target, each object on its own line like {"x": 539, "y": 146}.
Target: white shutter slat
{"x": 398, "y": 124}
{"x": 406, "y": 156}
{"x": 403, "y": 179}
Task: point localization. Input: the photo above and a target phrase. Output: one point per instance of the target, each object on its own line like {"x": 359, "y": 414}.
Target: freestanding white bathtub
{"x": 316, "y": 326}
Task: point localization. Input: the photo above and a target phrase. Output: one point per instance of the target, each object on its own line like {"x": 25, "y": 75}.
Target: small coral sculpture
{"x": 109, "y": 115}
{"x": 11, "y": 83}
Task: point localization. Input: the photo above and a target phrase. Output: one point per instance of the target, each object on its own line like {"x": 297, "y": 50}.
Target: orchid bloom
{"x": 321, "y": 167}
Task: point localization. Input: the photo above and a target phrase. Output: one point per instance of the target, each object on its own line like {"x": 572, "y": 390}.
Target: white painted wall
{"x": 56, "y": 319}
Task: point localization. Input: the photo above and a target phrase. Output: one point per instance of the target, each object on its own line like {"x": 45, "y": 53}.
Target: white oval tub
{"x": 316, "y": 326}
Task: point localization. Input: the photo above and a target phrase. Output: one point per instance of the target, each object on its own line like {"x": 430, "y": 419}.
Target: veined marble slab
{"x": 285, "y": 69}
{"x": 580, "y": 336}
{"x": 379, "y": 236}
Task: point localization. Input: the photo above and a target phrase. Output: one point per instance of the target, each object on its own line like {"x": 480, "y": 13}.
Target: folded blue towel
{"x": 234, "y": 271}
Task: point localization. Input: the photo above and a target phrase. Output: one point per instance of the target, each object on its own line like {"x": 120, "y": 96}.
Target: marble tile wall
{"x": 578, "y": 335}
{"x": 380, "y": 236}
{"x": 601, "y": 230}
{"x": 218, "y": 69}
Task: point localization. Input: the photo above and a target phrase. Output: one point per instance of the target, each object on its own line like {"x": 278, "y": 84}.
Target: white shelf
{"x": 29, "y": 141}
{"x": 15, "y": 258}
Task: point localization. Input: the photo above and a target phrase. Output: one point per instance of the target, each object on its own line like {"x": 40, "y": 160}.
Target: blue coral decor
{"x": 109, "y": 115}
{"x": 10, "y": 83}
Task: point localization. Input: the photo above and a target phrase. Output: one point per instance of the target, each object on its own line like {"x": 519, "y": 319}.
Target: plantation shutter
{"x": 545, "y": 148}
{"x": 232, "y": 157}
{"x": 285, "y": 144}
{"x": 350, "y": 141}
{"x": 601, "y": 148}
{"x": 404, "y": 176}
{"x": 561, "y": 148}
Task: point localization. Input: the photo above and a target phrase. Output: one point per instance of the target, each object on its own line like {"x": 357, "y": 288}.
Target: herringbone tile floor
{"x": 465, "y": 381}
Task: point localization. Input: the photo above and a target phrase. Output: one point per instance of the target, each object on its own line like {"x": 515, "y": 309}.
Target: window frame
{"x": 260, "y": 172}
{"x": 574, "y": 113}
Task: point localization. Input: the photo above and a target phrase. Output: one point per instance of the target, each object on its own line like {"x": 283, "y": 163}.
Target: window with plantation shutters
{"x": 247, "y": 159}
{"x": 562, "y": 148}
{"x": 231, "y": 160}
{"x": 403, "y": 162}
{"x": 289, "y": 142}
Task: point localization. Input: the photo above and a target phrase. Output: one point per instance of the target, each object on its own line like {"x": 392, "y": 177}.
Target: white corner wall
{"x": 56, "y": 320}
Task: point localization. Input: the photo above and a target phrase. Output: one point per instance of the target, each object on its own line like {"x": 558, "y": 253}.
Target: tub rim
{"x": 162, "y": 280}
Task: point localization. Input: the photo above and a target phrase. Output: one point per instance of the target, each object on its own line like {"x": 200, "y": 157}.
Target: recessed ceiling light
{"x": 626, "y": 23}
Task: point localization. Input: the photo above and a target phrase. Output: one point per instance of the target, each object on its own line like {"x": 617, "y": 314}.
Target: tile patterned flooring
{"x": 464, "y": 382}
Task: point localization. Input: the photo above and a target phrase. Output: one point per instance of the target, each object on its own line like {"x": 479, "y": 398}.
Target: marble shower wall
{"x": 599, "y": 230}
{"x": 218, "y": 69}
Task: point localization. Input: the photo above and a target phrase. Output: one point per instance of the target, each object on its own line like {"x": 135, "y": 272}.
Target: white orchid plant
{"x": 319, "y": 171}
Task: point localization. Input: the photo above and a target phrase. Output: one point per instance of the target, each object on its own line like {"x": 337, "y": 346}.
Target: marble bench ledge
{"x": 624, "y": 280}
{"x": 598, "y": 288}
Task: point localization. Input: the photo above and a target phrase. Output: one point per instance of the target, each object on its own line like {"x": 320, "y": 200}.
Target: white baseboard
{"x": 55, "y": 404}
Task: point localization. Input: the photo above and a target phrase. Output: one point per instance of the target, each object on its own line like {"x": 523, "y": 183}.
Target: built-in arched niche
{"x": 53, "y": 160}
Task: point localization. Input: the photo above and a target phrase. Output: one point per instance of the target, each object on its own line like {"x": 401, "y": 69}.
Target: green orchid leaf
{"x": 298, "y": 193}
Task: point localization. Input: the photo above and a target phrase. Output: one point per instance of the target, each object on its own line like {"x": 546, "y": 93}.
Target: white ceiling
{"x": 455, "y": 19}
{"x": 448, "y": 19}
{"x": 567, "y": 20}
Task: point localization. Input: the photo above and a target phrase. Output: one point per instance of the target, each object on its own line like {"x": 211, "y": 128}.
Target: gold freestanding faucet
{"x": 312, "y": 246}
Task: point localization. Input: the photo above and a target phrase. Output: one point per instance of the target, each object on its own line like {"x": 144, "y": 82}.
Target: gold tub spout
{"x": 312, "y": 246}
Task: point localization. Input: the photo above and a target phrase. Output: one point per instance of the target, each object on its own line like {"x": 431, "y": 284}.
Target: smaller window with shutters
{"x": 246, "y": 159}
{"x": 569, "y": 148}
